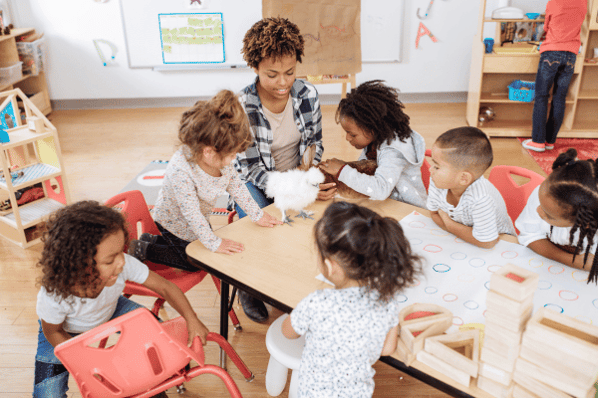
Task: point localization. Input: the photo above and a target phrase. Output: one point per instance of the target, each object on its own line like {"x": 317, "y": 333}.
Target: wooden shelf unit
{"x": 492, "y": 73}
{"x": 36, "y": 159}
{"x": 34, "y": 86}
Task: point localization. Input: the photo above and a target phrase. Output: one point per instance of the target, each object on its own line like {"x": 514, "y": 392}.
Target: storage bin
{"x": 520, "y": 90}
{"x": 33, "y": 56}
{"x": 11, "y": 74}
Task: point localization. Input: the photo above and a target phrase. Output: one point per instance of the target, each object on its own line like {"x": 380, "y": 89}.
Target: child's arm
{"x": 438, "y": 220}
{"x": 175, "y": 297}
{"x": 287, "y": 329}
{"x": 55, "y": 334}
{"x": 390, "y": 344}
{"x": 464, "y": 232}
{"x": 546, "y": 248}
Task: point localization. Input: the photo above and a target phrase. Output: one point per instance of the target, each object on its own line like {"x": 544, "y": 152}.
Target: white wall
{"x": 75, "y": 72}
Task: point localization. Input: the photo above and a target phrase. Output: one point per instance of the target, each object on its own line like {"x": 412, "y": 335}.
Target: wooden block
{"x": 439, "y": 365}
{"x": 496, "y": 302}
{"x": 493, "y": 388}
{"x": 514, "y": 282}
{"x": 405, "y": 356}
{"x": 499, "y": 346}
{"x": 520, "y": 392}
{"x": 508, "y": 322}
{"x": 497, "y": 360}
{"x": 495, "y": 374}
{"x": 575, "y": 337}
{"x": 497, "y": 331}
{"x": 414, "y": 334}
{"x": 567, "y": 383}
{"x": 546, "y": 356}
{"x": 537, "y": 387}
{"x": 420, "y": 312}
{"x": 460, "y": 350}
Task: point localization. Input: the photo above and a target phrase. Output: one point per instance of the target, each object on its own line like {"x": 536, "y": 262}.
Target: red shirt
{"x": 563, "y": 25}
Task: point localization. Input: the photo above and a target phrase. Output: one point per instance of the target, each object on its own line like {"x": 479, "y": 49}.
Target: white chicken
{"x": 294, "y": 190}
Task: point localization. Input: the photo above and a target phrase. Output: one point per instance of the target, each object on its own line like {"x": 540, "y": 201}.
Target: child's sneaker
{"x": 149, "y": 238}
{"x": 549, "y": 147}
{"x": 138, "y": 249}
{"x": 533, "y": 146}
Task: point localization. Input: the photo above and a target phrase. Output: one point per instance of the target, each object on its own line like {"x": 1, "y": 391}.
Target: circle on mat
{"x": 153, "y": 178}
{"x": 494, "y": 268}
{"x": 595, "y": 303}
{"x": 415, "y": 283}
{"x": 415, "y": 241}
{"x": 555, "y": 307}
{"x": 459, "y": 240}
{"x": 450, "y": 297}
{"x": 556, "y": 269}
{"x": 477, "y": 262}
{"x": 438, "y": 232}
{"x": 466, "y": 278}
{"x": 430, "y": 290}
{"x": 458, "y": 256}
{"x": 544, "y": 285}
{"x": 580, "y": 276}
{"x": 417, "y": 224}
{"x": 441, "y": 268}
{"x": 584, "y": 318}
{"x": 487, "y": 285}
{"x": 535, "y": 263}
{"x": 509, "y": 255}
{"x": 401, "y": 298}
{"x": 457, "y": 321}
{"x": 568, "y": 295}
{"x": 432, "y": 248}
{"x": 471, "y": 305}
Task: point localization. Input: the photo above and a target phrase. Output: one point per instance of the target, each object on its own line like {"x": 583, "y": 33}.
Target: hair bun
{"x": 565, "y": 159}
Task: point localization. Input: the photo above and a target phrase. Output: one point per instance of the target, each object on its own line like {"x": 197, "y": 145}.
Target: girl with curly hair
{"x": 347, "y": 329}
{"x": 84, "y": 270}
{"x": 560, "y": 219}
{"x": 373, "y": 119}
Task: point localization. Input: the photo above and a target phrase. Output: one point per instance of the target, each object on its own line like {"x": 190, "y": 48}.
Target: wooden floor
{"x": 105, "y": 149}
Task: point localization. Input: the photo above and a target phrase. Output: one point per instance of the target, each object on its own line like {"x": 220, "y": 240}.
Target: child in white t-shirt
{"x": 84, "y": 270}
{"x": 348, "y": 328}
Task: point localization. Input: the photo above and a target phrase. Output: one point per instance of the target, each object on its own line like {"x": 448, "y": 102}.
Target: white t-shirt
{"x": 345, "y": 330}
{"x": 481, "y": 206}
{"x": 532, "y": 228}
{"x": 82, "y": 314}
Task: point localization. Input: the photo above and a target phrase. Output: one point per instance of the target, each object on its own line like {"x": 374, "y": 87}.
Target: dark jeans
{"x": 169, "y": 250}
{"x": 555, "y": 69}
{"x": 258, "y": 195}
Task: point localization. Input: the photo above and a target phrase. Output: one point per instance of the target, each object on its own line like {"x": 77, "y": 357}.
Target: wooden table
{"x": 279, "y": 267}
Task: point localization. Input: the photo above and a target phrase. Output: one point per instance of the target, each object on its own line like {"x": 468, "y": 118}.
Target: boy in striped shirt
{"x": 460, "y": 199}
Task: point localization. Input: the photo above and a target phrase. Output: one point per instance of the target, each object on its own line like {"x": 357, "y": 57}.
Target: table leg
{"x": 224, "y": 287}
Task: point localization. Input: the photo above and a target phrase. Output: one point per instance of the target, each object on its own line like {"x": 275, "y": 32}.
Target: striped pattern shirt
{"x": 257, "y": 160}
{"x": 481, "y": 206}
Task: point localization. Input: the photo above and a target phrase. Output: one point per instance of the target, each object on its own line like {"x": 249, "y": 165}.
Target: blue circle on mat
{"x": 471, "y": 305}
{"x": 441, "y": 268}
{"x": 595, "y": 302}
{"x": 430, "y": 289}
{"x": 416, "y": 241}
{"x": 544, "y": 285}
{"x": 401, "y": 298}
{"x": 487, "y": 285}
{"x": 554, "y": 307}
{"x": 458, "y": 256}
{"x": 477, "y": 262}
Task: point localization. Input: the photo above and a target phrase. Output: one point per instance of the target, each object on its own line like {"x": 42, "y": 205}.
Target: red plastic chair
{"x": 515, "y": 195}
{"x": 137, "y": 214}
{"x": 425, "y": 170}
{"x": 148, "y": 358}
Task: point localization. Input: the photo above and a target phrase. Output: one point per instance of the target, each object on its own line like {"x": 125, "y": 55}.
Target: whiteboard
{"x": 381, "y": 30}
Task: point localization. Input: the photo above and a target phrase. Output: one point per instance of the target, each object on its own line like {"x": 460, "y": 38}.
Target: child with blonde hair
{"x": 84, "y": 270}
{"x": 348, "y": 328}
{"x": 211, "y": 134}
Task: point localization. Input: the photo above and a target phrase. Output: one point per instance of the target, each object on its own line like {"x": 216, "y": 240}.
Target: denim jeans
{"x": 258, "y": 195}
{"x": 169, "y": 250}
{"x": 554, "y": 71}
{"x": 51, "y": 377}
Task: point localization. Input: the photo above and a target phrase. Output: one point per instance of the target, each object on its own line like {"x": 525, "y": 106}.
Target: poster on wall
{"x": 192, "y": 38}
{"x": 331, "y": 31}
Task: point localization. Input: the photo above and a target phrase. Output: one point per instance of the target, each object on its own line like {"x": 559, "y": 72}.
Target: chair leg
{"x": 230, "y": 351}
{"x": 231, "y": 313}
{"x": 294, "y": 385}
{"x": 276, "y": 377}
{"x": 157, "y": 305}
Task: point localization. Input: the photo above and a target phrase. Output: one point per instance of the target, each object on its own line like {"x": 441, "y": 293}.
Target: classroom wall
{"x": 75, "y": 71}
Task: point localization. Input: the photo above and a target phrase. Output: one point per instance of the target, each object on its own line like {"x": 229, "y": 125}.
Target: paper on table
{"x": 323, "y": 279}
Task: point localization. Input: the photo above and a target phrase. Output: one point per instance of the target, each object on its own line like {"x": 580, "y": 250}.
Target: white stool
{"x": 285, "y": 354}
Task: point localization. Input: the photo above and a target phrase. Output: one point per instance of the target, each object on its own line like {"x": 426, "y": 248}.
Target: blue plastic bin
{"x": 522, "y": 91}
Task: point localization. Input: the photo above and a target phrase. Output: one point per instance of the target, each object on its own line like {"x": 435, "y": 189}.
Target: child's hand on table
{"x": 195, "y": 327}
{"x": 230, "y": 247}
{"x": 268, "y": 221}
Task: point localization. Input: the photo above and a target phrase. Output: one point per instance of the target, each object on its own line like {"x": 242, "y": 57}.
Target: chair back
{"x": 425, "y": 170}
{"x": 514, "y": 195}
{"x": 145, "y": 355}
{"x": 134, "y": 207}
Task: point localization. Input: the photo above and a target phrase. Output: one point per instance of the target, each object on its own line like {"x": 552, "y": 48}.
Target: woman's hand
{"x": 332, "y": 166}
{"x": 268, "y": 221}
{"x": 230, "y": 247}
{"x": 327, "y": 191}
{"x": 195, "y": 327}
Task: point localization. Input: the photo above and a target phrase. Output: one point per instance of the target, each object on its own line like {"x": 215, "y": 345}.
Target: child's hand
{"x": 268, "y": 221}
{"x": 196, "y": 328}
{"x": 578, "y": 263}
{"x": 332, "y": 166}
{"x": 446, "y": 219}
{"x": 327, "y": 191}
{"x": 230, "y": 247}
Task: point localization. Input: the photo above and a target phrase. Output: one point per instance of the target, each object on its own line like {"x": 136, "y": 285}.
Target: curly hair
{"x": 71, "y": 237}
{"x": 370, "y": 248}
{"x": 573, "y": 185}
{"x": 272, "y": 38}
{"x": 220, "y": 122}
{"x": 469, "y": 148}
{"x": 375, "y": 108}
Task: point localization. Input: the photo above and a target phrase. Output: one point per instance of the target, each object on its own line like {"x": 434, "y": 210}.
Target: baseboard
{"x": 184, "y": 102}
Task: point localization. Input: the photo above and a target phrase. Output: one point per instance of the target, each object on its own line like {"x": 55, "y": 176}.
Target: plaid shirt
{"x": 253, "y": 164}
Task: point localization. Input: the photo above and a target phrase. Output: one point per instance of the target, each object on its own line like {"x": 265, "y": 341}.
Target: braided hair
{"x": 370, "y": 248}
{"x": 375, "y": 108}
{"x": 573, "y": 186}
